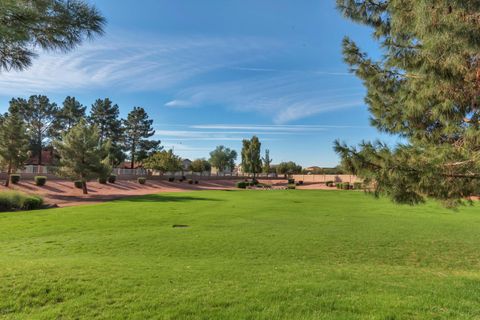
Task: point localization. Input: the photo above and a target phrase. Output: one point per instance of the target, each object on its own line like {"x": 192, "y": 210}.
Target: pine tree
{"x": 13, "y": 144}
{"x": 251, "y": 161}
{"x": 425, "y": 89}
{"x": 267, "y": 162}
{"x": 105, "y": 115}
{"x": 69, "y": 115}
{"x": 137, "y": 129}
{"x": 39, "y": 115}
{"x": 82, "y": 154}
{"x": 48, "y": 24}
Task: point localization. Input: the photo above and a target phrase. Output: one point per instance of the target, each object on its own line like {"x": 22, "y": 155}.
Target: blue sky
{"x": 214, "y": 72}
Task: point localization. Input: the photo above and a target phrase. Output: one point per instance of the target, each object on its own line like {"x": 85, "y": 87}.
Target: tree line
{"x": 84, "y": 146}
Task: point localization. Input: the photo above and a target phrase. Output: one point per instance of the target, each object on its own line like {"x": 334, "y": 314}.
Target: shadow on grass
{"x": 167, "y": 198}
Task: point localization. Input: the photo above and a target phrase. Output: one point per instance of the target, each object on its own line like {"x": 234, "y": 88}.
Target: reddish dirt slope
{"x": 63, "y": 193}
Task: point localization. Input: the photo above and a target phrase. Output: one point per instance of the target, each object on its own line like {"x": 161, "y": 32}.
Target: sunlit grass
{"x": 244, "y": 255}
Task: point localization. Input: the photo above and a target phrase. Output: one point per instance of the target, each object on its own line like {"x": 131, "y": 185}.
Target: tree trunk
{"x": 84, "y": 187}
{"x": 133, "y": 156}
{"x": 39, "y": 150}
{"x": 9, "y": 172}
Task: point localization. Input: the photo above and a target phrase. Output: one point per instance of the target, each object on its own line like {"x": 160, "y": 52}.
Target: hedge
{"x": 15, "y": 178}
{"x": 242, "y": 184}
{"x": 102, "y": 180}
{"x": 14, "y": 200}
{"x": 40, "y": 180}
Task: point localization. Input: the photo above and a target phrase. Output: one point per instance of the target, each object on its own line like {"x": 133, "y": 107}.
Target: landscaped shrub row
{"x": 14, "y": 200}
{"x": 15, "y": 178}
{"x": 242, "y": 184}
{"x": 343, "y": 186}
{"x": 40, "y": 180}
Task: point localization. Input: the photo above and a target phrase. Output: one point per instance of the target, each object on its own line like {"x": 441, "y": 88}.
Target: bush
{"x": 112, "y": 178}
{"x": 329, "y": 183}
{"x": 40, "y": 180}
{"x": 339, "y": 185}
{"x": 32, "y": 203}
{"x": 15, "y": 178}
{"x": 171, "y": 179}
{"x": 102, "y": 180}
{"x": 190, "y": 181}
{"x": 78, "y": 184}
{"x": 357, "y": 185}
{"x": 346, "y": 186}
{"x": 300, "y": 183}
{"x": 142, "y": 180}
{"x": 14, "y": 200}
{"x": 242, "y": 185}
{"x": 291, "y": 181}
{"x": 196, "y": 181}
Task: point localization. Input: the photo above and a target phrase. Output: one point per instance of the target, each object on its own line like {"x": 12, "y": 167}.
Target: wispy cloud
{"x": 178, "y": 104}
{"x": 196, "y": 71}
{"x": 134, "y": 64}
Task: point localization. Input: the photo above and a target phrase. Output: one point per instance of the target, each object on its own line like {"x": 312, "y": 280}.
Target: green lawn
{"x": 245, "y": 255}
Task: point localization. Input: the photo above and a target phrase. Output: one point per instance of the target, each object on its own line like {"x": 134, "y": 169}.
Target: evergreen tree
{"x": 267, "y": 162}
{"x": 82, "y": 154}
{"x": 13, "y": 144}
{"x": 39, "y": 115}
{"x": 223, "y": 158}
{"x": 425, "y": 89}
{"x": 69, "y": 115}
{"x": 105, "y": 115}
{"x": 47, "y": 24}
{"x": 251, "y": 161}
{"x": 137, "y": 129}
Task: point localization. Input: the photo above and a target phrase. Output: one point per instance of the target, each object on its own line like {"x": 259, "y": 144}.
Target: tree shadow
{"x": 167, "y": 198}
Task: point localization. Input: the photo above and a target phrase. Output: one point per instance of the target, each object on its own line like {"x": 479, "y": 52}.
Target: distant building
{"x": 47, "y": 158}
{"x": 186, "y": 163}
{"x": 128, "y": 165}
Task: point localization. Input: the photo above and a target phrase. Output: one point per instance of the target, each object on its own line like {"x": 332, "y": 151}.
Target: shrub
{"x": 142, "y": 180}
{"x": 329, "y": 183}
{"x": 300, "y": 182}
{"x": 190, "y": 181}
{"x": 102, "y": 180}
{"x": 32, "y": 203}
{"x": 291, "y": 187}
{"x": 112, "y": 178}
{"x": 15, "y": 178}
{"x": 291, "y": 181}
{"x": 339, "y": 185}
{"x": 40, "y": 180}
{"x": 14, "y": 200}
{"x": 242, "y": 185}
{"x": 346, "y": 186}
{"x": 196, "y": 181}
{"x": 171, "y": 179}
{"x": 78, "y": 184}
{"x": 357, "y": 185}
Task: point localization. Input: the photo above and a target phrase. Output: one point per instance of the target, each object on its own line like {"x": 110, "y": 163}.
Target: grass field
{"x": 245, "y": 255}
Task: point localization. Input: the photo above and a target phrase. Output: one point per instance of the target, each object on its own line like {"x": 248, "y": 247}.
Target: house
{"x": 186, "y": 163}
